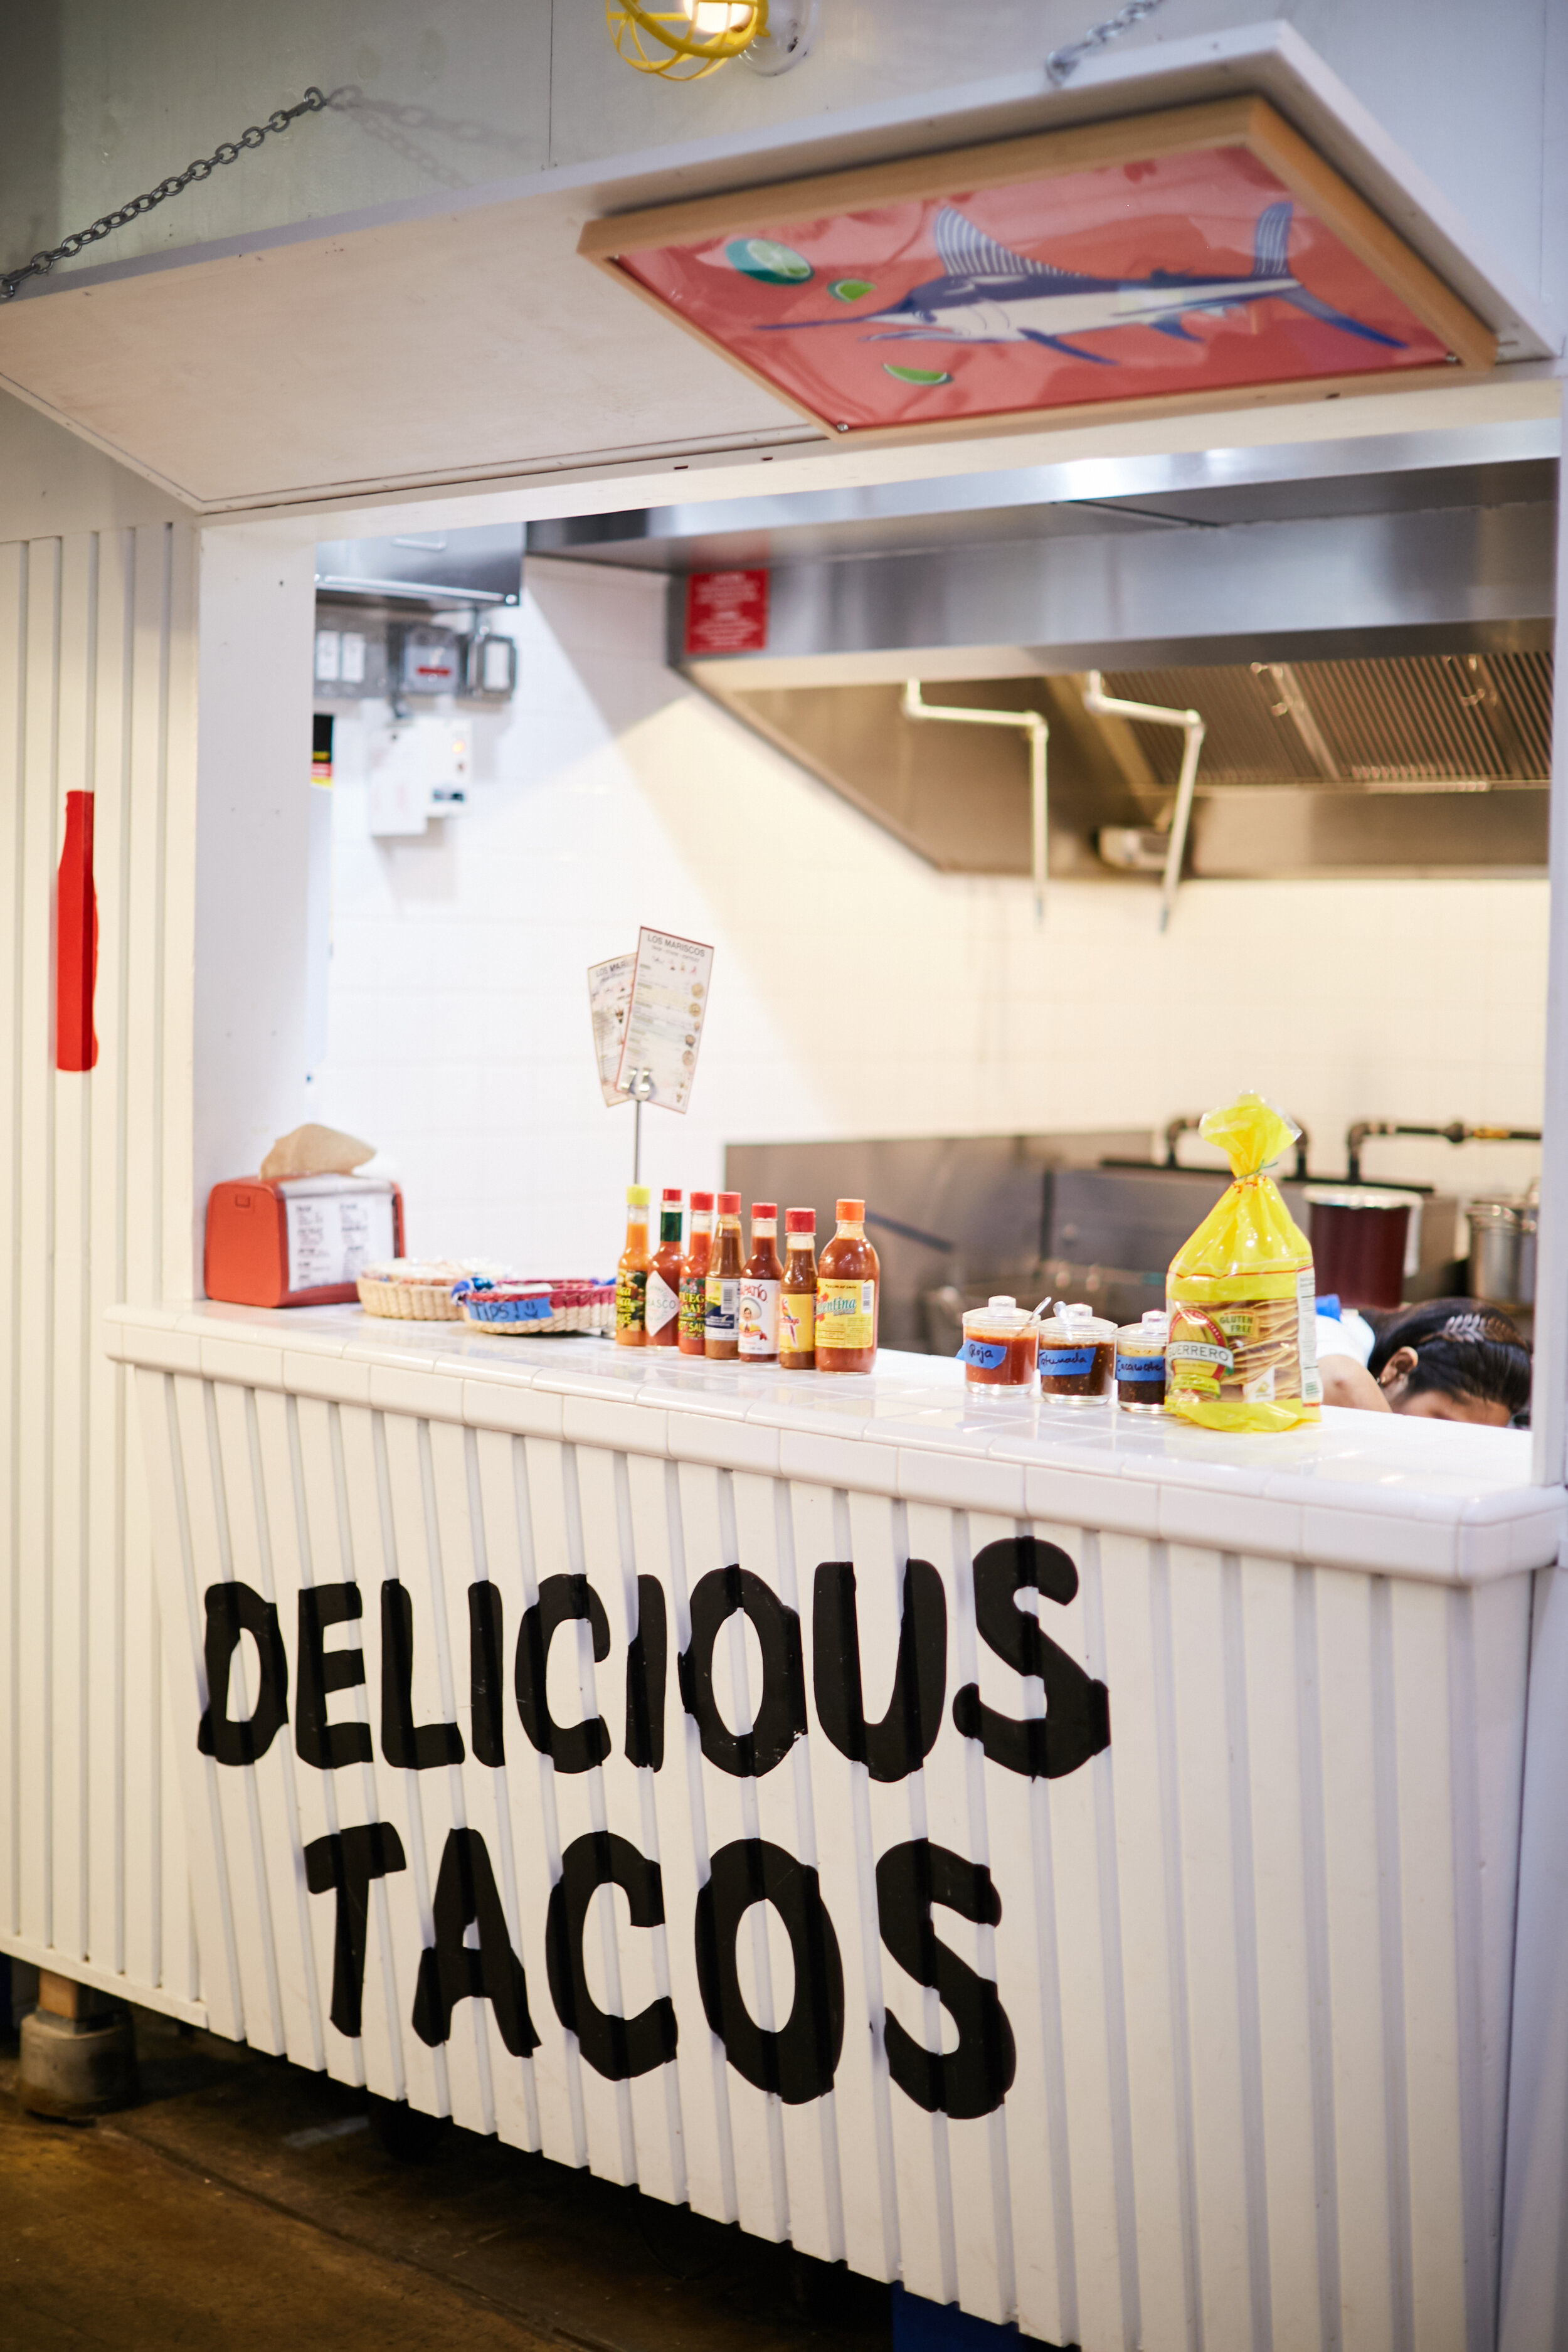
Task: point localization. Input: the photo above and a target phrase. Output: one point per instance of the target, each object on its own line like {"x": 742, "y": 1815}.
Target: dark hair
{"x": 1463, "y": 1347}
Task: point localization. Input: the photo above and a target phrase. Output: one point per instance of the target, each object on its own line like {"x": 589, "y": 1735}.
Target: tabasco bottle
{"x": 694, "y": 1277}
{"x": 721, "y": 1337}
{"x": 664, "y": 1275}
{"x": 760, "y": 1279}
{"x": 631, "y": 1274}
{"x": 848, "y": 1279}
{"x": 797, "y": 1293}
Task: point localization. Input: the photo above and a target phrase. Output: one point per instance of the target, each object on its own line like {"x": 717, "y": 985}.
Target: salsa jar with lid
{"x": 1077, "y": 1354}
{"x": 1001, "y": 1350}
{"x": 1140, "y": 1363}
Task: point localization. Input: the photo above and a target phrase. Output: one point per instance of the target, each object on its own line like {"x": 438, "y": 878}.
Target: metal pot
{"x": 1502, "y": 1251}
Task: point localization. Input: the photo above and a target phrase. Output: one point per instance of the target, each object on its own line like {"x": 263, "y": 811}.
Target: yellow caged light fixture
{"x": 689, "y": 42}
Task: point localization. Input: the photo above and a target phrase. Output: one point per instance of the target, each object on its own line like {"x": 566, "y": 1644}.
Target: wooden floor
{"x": 245, "y": 2203}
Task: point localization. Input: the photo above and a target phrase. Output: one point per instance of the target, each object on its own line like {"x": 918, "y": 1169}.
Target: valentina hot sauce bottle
{"x": 722, "y": 1338}
{"x": 760, "y": 1280}
{"x": 694, "y": 1278}
{"x": 663, "y": 1312}
{"x": 632, "y": 1273}
{"x": 848, "y": 1283}
{"x": 797, "y": 1293}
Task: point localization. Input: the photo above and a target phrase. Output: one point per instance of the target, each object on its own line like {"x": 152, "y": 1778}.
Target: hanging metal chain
{"x": 229, "y": 152}
{"x": 1060, "y": 66}
{"x": 1061, "y": 63}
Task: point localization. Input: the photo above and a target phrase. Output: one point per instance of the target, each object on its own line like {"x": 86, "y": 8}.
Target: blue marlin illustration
{"x": 989, "y": 294}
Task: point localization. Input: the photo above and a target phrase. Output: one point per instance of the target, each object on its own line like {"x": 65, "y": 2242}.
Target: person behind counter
{"x": 1448, "y": 1359}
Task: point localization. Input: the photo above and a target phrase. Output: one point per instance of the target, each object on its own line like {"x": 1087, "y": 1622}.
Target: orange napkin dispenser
{"x": 301, "y": 1241}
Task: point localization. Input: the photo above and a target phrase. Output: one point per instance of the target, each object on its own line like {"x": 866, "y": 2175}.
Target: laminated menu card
{"x": 609, "y": 993}
{"x": 664, "y": 1021}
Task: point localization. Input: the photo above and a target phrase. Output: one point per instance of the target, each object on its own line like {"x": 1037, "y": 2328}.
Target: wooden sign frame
{"x": 1251, "y": 124}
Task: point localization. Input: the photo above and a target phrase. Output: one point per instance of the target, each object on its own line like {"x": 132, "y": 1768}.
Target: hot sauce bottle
{"x": 797, "y": 1293}
{"x": 664, "y": 1275}
{"x": 694, "y": 1277}
{"x": 848, "y": 1279}
{"x": 631, "y": 1274}
{"x": 722, "y": 1337}
{"x": 760, "y": 1279}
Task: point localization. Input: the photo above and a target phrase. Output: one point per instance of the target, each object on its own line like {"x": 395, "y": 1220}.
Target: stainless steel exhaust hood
{"x": 1422, "y": 775}
{"x": 1369, "y": 650}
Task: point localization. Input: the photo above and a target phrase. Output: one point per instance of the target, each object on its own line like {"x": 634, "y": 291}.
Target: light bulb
{"x": 709, "y": 17}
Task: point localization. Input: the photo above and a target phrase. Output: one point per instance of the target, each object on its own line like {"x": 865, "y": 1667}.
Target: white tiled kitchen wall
{"x": 856, "y": 991}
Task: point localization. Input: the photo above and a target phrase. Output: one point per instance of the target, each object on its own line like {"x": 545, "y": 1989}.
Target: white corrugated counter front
{"x": 1062, "y": 1861}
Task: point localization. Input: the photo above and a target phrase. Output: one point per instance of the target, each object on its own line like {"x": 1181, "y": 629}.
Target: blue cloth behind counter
{"x": 922, "y": 2327}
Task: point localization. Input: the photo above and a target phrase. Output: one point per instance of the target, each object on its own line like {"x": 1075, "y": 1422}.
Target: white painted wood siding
{"x": 96, "y": 695}
{"x": 1254, "y": 1955}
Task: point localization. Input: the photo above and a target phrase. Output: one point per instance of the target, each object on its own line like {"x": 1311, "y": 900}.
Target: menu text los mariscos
{"x": 663, "y": 1028}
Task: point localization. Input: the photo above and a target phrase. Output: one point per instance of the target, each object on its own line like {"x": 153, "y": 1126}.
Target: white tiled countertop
{"x": 1384, "y": 1491}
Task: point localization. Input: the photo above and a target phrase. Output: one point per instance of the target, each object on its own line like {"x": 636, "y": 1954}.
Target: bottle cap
{"x": 850, "y": 1212}
{"x": 765, "y": 1209}
{"x": 729, "y": 1204}
{"x": 636, "y": 1196}
{"x": 672, "y": 1193}
{"x": 800, "y": 1221}
{"x": 702, "y": 1205}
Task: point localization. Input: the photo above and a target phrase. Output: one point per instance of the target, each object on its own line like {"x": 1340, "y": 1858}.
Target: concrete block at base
{"x": 76, "y": 2066}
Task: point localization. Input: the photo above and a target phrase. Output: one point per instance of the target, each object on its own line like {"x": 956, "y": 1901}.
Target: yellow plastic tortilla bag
{"x": 1243, "y": 1350}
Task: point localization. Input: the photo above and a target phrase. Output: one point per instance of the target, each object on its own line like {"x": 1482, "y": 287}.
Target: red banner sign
{"x": 76, "y": 941}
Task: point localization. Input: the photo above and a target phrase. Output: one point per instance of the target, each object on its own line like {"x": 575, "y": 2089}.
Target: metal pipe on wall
{"x": 915, "y": 707}
{"x": 1356, "y": 1134}
{"x": 1111, "y": 706}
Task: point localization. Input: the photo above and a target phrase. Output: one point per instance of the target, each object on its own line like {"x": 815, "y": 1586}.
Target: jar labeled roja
{"x": 1001, "y": 1350}
{"x": 1140, "y": 1363}
{"x": 1078, "y": 1355}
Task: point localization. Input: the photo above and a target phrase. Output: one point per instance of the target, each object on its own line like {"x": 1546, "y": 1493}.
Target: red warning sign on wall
{"x": 727, "y": 613}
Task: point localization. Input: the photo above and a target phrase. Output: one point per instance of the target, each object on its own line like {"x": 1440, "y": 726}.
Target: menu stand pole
{"x": 639, "y": 1088}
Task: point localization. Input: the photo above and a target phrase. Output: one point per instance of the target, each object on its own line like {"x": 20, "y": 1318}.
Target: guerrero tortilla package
{"x": 1243, "y": 1348}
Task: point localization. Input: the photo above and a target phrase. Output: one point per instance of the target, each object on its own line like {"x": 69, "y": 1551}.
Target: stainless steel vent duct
{"x": 1365, "y": 625}
{"x": 1376, "y": 692}
{"x": 479, "y": 566}
{"x": 1429, "y": 722}
{"x": 1426, "y": 764}
{"x": 1476, "y": 580}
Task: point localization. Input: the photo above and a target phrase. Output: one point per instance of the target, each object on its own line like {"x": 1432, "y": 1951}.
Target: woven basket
{"x": 410, "y": 1302}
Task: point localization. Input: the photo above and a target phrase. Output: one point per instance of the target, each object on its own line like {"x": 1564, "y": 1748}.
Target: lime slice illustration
{"x": 916, "y": 375}
{"x": 771, "y": 264}
{"x": 850, "y": 289}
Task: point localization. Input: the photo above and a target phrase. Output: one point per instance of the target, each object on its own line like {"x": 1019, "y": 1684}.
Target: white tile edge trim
{"x": 1447, "y": 1537}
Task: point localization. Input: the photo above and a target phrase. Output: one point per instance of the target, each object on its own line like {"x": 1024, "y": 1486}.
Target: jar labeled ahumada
{"x": 1078, "y": 1355}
